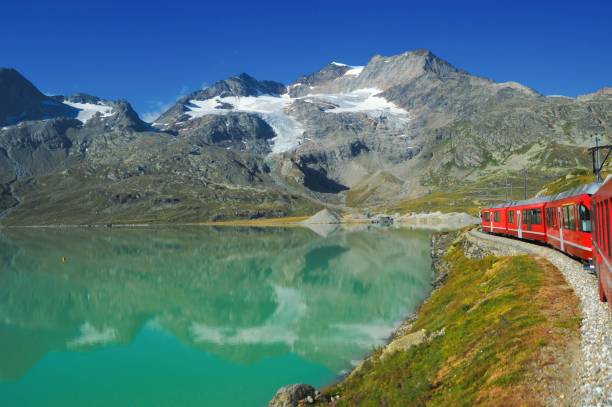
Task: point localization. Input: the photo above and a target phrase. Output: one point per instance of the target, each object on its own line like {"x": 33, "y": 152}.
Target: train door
{"x": 519, "y": 223}
{"x": 560, "y": 217}
{"x": 492, "y": 216}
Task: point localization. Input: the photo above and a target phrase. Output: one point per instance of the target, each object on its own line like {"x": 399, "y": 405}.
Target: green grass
{"x": 496, "y": 313}
{"x": 439, "y": 201}
{"x": 573, "y": 180}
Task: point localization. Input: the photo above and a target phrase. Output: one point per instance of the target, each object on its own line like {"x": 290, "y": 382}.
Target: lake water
{"x": 202, "y": 316}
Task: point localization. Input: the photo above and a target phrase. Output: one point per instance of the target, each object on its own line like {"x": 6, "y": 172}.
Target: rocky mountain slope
{"x": 399, "y": 128}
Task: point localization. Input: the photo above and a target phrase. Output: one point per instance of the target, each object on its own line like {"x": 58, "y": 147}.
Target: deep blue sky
{"x": 149, "y": 53}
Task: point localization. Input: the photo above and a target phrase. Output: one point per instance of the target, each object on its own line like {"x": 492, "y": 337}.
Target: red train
{"x": 602, "y": 246}
{"x": 567, "y": 222}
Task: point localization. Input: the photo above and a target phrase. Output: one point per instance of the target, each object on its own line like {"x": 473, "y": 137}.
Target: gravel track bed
{"x": 595, "y": 374}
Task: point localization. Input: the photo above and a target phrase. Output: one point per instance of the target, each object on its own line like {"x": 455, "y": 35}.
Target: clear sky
{"x": 151, "y": 52}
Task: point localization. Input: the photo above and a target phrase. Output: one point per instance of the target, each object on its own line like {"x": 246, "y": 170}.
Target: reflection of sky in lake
{"x": 301, "y": 305}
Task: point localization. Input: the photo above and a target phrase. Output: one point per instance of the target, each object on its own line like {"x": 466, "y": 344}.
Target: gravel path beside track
{"x": 595, "y": 375}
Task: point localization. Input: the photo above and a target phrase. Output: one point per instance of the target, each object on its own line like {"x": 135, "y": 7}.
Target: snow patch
{"x": 362, "y": 101}
{"x": 270, "y": 108}
{"x": 289, "y": 132}
{"x": 88, "y": 110}
{"x": 354, "y": 71}
{"x": 338, "y": 63}
{"x": 560, "y": 96}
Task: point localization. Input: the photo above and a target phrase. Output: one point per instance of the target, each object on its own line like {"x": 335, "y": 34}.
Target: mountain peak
{"x": 20, "y": 100}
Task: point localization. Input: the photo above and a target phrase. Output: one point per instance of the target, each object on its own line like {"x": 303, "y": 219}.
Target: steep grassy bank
{"x": 500, "y": 331}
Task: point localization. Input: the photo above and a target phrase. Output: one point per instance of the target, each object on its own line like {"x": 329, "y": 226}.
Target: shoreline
{"x": 434, "y": 221}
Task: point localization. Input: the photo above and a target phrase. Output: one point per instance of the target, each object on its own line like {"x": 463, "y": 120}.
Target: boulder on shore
{"x": 290, "y": 396}
{"x": 324, "y": 216}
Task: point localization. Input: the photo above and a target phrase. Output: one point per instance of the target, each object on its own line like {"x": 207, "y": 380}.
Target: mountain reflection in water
{"x": 242, "y": 295}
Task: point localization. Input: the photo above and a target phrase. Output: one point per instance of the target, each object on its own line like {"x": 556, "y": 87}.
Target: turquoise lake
{"x": 210, "y": 316}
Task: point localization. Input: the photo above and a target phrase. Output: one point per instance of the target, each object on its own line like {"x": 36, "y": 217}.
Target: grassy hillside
{"x": 481, "y": 339}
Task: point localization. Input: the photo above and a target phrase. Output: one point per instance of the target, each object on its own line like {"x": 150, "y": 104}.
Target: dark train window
{"x": 486, "y": 216}
{"x": 594, "y": 221}
{"x": 496, "y": 216}
{"x": 601, "y": 224}
{"x": 551, "y": 217}
{"x": 510, "y": 216}
{"x": 607, "y": 221}
{"x": 532, "y": 217}
{"x": 536, "y": 217}
{"x": 569, "y": 217}
{"x": 585, "y": 218}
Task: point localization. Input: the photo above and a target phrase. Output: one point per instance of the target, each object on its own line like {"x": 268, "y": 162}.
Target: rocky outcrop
{"x": 290, "y": 396}
{"x": 440, "y": 243}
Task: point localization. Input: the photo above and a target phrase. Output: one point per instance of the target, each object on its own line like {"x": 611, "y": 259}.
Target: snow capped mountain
{"x": 400, "y": 126}
{"x": 244, "y": 94}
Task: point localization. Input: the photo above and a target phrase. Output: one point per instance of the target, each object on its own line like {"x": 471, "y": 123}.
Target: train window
{"x": 601, "y": 224}
{"x": 594, "y": 221}
{"x": 526, "y": 217}
{"x": 496, "y": 216}
{"x": 510, "y": 216}
{"x": 607, "y": 221}
{"x": 569, "y": 217}
{"x": 551, "y": 217}
{"x": 536, "y": 217}
{"x": 487, "y": 216}
{"x": 585, "y": 218}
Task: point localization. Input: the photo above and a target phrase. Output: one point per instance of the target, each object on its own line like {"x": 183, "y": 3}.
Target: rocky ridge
{"x": 398, "y": 128}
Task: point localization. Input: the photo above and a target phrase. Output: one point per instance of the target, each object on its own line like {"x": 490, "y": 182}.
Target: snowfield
{"x": 355, "y": 71}
{"x": 289, "y": 132}
{"x": 88, "y": 110}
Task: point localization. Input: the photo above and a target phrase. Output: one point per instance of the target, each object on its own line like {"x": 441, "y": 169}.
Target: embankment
{"x": 497, "y": 330}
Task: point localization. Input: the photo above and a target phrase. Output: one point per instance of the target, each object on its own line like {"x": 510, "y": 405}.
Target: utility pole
{"x": 525, "y": 182}
{"x": 596, "y": 157}
{"x": 506, "y": 189}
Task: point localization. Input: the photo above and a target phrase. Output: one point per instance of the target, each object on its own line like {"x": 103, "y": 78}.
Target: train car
{"x": 568, "y": 221}
{"x": 601, "y": 203}
{"x": 494, "y": 219}
{"x": 528, "y": 219}
{"x": 512, "y": 224}
{"x": 486, "y": 217}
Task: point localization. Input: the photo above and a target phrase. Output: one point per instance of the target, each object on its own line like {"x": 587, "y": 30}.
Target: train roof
{"x": 588, "y": 189}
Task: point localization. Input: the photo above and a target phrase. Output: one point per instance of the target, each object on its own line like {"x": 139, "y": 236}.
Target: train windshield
{"x": 585, "y": 218}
